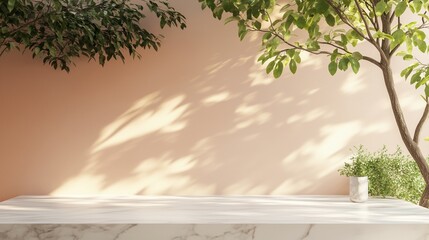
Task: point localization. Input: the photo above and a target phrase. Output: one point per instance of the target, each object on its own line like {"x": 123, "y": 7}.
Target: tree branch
{"x": 421, "y": 123}
{"x": 334, "y": 45}
{"x": 371, "y": 8}
{"x": 366, "y": 58}
{"x": 345, "y": 19}
{"x": 293, "y": 46}
{"x": 372, "y": 60}
{"x": 397, "y": 47}
{"x": 377, "y": 24}
{"x": 368, "y": 31}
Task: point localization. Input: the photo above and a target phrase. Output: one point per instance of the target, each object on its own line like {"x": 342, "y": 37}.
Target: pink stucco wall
{"x": 198, "y": 117}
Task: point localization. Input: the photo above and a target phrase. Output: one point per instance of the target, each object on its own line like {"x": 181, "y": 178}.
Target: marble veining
{"x": 208, "y": 210}
{"x": 213, "y": 232}
{"x": 211, "y": 218}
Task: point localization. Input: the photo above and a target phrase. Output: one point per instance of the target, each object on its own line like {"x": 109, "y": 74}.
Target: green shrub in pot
{"x": 357, "y": 166}
{"x": 389, "y": 174}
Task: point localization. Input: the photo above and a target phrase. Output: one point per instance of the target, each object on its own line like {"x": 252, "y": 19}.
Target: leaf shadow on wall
{"x": 231, "y": 130}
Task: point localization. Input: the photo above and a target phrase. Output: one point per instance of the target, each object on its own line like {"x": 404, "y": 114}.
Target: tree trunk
{"x": 411, "y": 145}
{"x": 424, "y": 200}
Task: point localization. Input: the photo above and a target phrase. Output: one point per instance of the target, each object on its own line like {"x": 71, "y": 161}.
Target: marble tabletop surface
{"x": 208, "y": 210}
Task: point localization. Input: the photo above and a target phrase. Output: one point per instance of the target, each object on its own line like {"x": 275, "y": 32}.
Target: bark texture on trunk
{"x": 424, "y": 200}
{"x": 408, "y": 140}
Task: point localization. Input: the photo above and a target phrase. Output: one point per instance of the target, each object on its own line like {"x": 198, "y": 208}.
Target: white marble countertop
{"x": 208, "y": 210}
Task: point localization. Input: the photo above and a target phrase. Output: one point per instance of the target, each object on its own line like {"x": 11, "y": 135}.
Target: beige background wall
{"x": 198, "y": 117}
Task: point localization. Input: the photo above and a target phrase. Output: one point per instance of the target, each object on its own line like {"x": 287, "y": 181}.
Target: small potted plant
{"x": 356, "y": 172}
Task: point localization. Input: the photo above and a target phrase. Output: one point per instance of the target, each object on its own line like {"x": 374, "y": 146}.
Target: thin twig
{"x": 368, "y": 31}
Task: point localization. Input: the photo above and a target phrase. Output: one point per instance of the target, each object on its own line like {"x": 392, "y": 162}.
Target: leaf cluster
{"x": 332, "y": 28}
{"x": 59, "y": 30}
{"x": 390, "y": 174}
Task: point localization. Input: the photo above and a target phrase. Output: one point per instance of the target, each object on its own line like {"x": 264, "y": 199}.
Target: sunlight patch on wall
{"x": 214, "y": 68}
{"x": 312, "y": 115}
{"x": 334, "y": 138}
{"x": 152, "y": 176}
{"x": 240, "y": 62}
{"x": 155, "y": 176}
{"x": 85, "y": 184}
{"x": 318, "y": 113}
{"x": 337, "y": 137}
{"x": 248, "y": 115}
{"x": 377, "y": 128}
{"x": 286, "y": 100}
{"x": 217, "y": 98}
{"x": 308, "y": 60}
{"x": 313, "y": 91}
{"x": 258, "y": 119}
{"x": 412, "y": 102}
{"x": 260, "y": 78}
{"x": 246, "y": 109}
{"x": 139, "y": 121}
{"x": 353, "y": 85}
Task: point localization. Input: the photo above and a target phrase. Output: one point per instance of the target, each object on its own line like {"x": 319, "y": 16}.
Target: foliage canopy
{"x": 332, "y": 28}
{"x": 59, "y": 30}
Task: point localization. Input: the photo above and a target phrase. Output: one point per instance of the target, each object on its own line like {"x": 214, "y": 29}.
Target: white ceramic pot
{"x": 358, "y": 189}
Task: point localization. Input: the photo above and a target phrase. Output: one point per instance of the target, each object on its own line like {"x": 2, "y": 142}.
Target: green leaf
{"x": 421, "y": 45}
{"x": 380, "y": 8}
{"x": 332, "y": 67}
{"x": 419, "y": 35}
{"x": 382, "y": 35}
{"x": 257, "y": 25}
{"x": 322, "y": 7}
{"x": 292, "y": 66}
{"x": 423, "y": 81}
{"x": 242, "y": 30}
{"x": 344, "y": 40}
{"x": 300, "y": 22}
{"x": 357, "y": 55}
{"x": 400, "y": 8}
{"x": 406, "y": 72}
{"x": 278, "y": 70}
{"x": 398, "y": 38}
{"x": 334, "y": 55}
{"x": 11, "y": 5}
{"x": 330, "y": 20}
{"x": 266, "y": 37}
{"x": 327, "y": 38}
{"x": 297, "y": 58}
{"x": 416, "y": 78}
{"x": 408, "y": 57}
{"x": 270, "y": 66}
{"x": 409, "y": 44}
{"x": 290, "y": 52}
{"x": 343, "y": 64}
{"x": 417, "y": 5}
{"x": 355, "y": 65}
